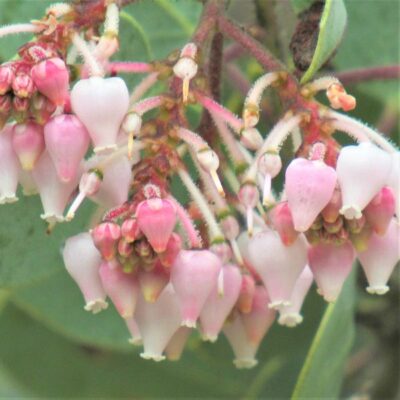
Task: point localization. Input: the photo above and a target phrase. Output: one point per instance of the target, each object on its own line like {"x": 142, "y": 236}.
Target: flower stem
{"x": 129, "y": 67}
{"x": 19, "y": 28}
{"x": 367, "y": 74}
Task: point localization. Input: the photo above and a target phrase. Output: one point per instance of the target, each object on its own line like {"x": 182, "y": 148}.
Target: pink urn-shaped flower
{"x": 380, "y": 258}
{"x": 101, "y": 105}
{"x": 51, "y": 77}
{"x": 193, "y": 276}
{"x": 67, "y": 142}
{"x": 362, "y": 172}
{"x": 278, "y": 265}
{"x": 157, "y": 323}
{"x": 309, "y": 186}
{"x": 105, "y": 238}
{"x": 121, "y": 288}
{"x": 8, "y": 167}
{"x": 218, "y": 306}
{"x": 82, "y": 261}
{"x": 331, "y": 265}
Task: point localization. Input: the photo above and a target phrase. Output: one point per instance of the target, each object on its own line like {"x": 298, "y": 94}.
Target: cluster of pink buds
{"x": 238, "y": 255}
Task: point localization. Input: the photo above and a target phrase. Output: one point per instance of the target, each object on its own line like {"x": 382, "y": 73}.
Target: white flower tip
{"x": 8, "y": 198}
{"x": 290, "y": 319}
{"x": 53, "y": 218}
{"x": 275, "y": 305}
{"x": 377, "y": 289}
{"x": 209, "y": 338}
{"x": 135, "y": 341}
{"x": 351, "y": 212}
{"x": 189, "y": 323}
{"x": 245, "y": 363}
{"x": 95, "y": 306}
{"x": 105, "y": 149}
{"x": 150, "y": 356}
{"x": 185, "y": 68}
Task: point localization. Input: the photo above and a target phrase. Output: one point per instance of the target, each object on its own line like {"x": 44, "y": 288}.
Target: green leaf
{"x": 322, "y": 372}
{"x": 331, "y": 30}
{"x": 370, "y": 42}
{"x": 27, "y": 253}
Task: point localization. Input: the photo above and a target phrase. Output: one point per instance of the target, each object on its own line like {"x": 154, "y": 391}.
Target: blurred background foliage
{"x": 49, "y": 347}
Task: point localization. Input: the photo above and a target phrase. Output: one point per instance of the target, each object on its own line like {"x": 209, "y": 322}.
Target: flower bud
{"x": 174, "y": 246}
{"x": 249, "y": 195}
{"x": 309, "y": 186}
{"x": 28, "y": 143}
{"x": 23, "y": 85}
{"x": 282, "y": 221}
{"x": 67, "y": 142}
{"x": 8, "y": 167}
{"x": 156, "y": 218}
{"x": 130, "y": 230}
{"x": 101, "y": 105}
{"x": 379, "y": 212}
{"x": 338, "y": 98}
{"x": 359, "y": 178}
{"x": 6, "y": 78}
{"x": 51, "y": 77}
{"x": 246, "y": 295}
{"x": 193, "y": 276}
{"x": 105, "y": 238}
{"x": 330, "y": 213}
{"x": 251, "y": 138}
{"x": 82, "y": 261}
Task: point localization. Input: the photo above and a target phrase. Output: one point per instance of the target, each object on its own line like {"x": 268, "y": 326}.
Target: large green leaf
{"x": 322, "y": 372}
{"x": 27, "y": 252}
{"x": 331, "y": 30}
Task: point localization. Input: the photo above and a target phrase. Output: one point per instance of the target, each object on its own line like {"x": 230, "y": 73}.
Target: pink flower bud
{"x": 51, "y": 77}
{"x": 54, "y": 194}
{"x": 193, "y": 276}
{"x": 8, "y": 167}
{"x": 153, "y": 282}
{"x": 156, "y": 218}
{"x": 246, "y": 295}
{"x": 130, "y": 230}
{"x": 125, "y": 249}
{"x": 117, "y": 177}
{"x": 28, "y": 143}
{"x": 290, "y": 315}
{"x": 278, "y": 265}
{"x": 136, "y": 338}
{"x": 309, "y": 186}
{"x": 23, "y": 85}
{"x": 331, "y": 264}
{"x": 282, "y": 221}
{"x": 379, "y": 212}
{"x": 105, "y": 238}
{"x": 217, "y": 307}
{"x": 339, "y": 98}
{"x": 380, "y": 258}
{"x": 120, "y": 287}
{"x": 157, "y": 323}
{"x": 249, "y": 195}
{"x": 244, "y": 350}
{"x": 101, "y": 105}
{"x": 258, "y": 321}
{"x": 67, "y": 142}
{"x": 177, "y": 343}
{"x": 82, "y": 261}
{"x": 6, "y": 105}
{"x": 6, "y": 78}
{"x": 230, "y": 227}
{"x": 331, "y": 211}
{"x": 174, "y": 246}
{"x": 361, "y": 179}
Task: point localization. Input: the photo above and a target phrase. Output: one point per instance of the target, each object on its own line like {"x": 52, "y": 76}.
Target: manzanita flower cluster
{"x": 239, "y": 255}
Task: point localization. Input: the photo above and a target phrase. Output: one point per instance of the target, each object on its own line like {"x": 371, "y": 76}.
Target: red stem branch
{"x": 367, "y": 74}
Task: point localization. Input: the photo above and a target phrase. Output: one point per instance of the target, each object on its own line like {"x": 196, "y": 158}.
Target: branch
{"x": 207, "y": 22}
{"x": 368, "y": 74}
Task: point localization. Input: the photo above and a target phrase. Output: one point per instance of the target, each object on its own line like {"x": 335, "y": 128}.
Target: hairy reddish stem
{"x": 368, "y": 74}
{"x": 207, "y": 22}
